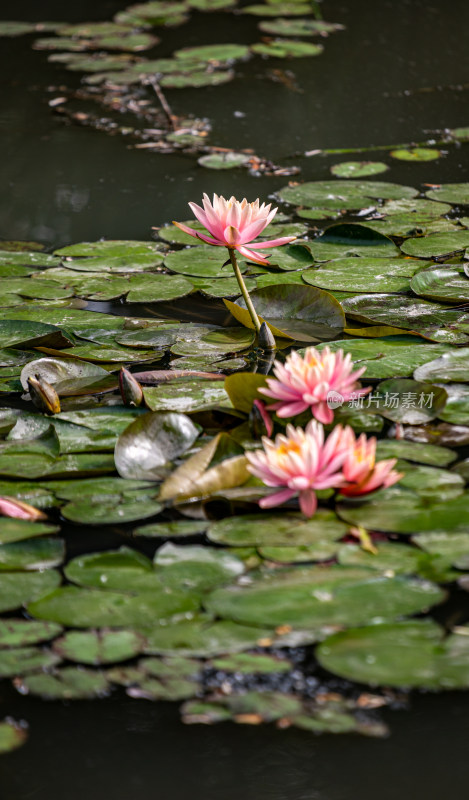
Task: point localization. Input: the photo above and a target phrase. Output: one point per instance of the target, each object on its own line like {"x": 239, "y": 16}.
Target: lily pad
{"x": 286, "y": 48}
{"x": 85, "y": 607}
{"x": 219, "y": 53}
{"x": 12, "y": 734}
{"x": 358, "y": 169}
{"x": 187, "y": 396}
{"x": 303, "y": 313}
{"x": 196, "y": 567}
{"x": 351, "y": 239}
{"x": 298, "y": 27}
{"x": 99, "y": 647}
{"x": 227, "y": 160}
{"x": 21, "y": 632}
{"x": 204, "y": 637}
{"x": 451, "y": 366}
{"x": 24, "y": 660}
{"x": 450, "y": 193}
{"x": 276, "y": 530}
{"x": 411, "y": 654}
{"x": 388, "y": 357}
{"x": 315, "y": 597}
{"x": 412, "y": 451}
{"x": 37, "y": 554}
{"x": 456, "y": 409}
{"x": 69, "y": 683}
{"x": 415, "y": 154}
{"x": 447, "y": 283}
{"x": 399, "y": 510}
{"x": 145, "y": 449}
{"x": 437, "y": 244}
{"x": 344, "y": 193}
{"x": 366, "y": 275}
{"x": 175, "y": 529}
{"x": 19, "y": 588}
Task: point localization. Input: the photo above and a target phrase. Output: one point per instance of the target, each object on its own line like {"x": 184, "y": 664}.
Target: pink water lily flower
{"x": 361, "y": 470}
{"x": 321, "y": 381}
{"x": 235, "y": 224}
{"x": 300, "y": 462}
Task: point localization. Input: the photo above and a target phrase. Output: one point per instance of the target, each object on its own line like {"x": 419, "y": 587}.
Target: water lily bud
{"x": 266, "y": 338}
{"x": 11, "y": 507}
{"x": 43, "y": 395}
{"x": 130, "y": 389}
{"x": 260, "y": 423}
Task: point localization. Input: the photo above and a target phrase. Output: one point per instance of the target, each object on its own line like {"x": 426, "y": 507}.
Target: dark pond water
{"x": 64, "y": 184}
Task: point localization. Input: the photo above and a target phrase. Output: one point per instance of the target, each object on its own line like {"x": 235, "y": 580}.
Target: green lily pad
{"x": 447, "y": 283}
{"x": 69, "y": 683}
{"x": 344, "y": 193}
{"x": 86, "y": 607}
{"x": 399, "y": 510}
{"x": 56, "y": 370}
{"x": 287, "y": 48}
{"x": 37, "y": 554}
{"x": 276, "y": 530}
{"x": 456, "y": 409}
{"x": 19, "y": 588}
{"x": 437, "y": 244}
{"x": 408, "y": 401}
{"x": 413, "y": 451}
{"x": 99, "y": 647}
{"x": 202, "y": 261}
{"x": 158, "y": 288}
{"x": 228, "y": 160}
{"x": 415, "y": 154}
{"x": 388, "y": 357}
{"x": 12, "y": 734}
{"x": 196, "y": 80}
{"x": 451, "y": 546}
{"x": 450, "y": 193}
{"x": 358, "y": 169}
{"x": 302, "y": 313}
{"x": 11, "y": 28}
{"x": 411, "y": 654}
{"x": 288, "y": 9}
{"x": 24, "y": 660}
{"x": 187, "y": 396}
{"x": 316, "y": 597}
{"x": 429, "y": 319}
{"x": 204, "y": 638}
{"x": 146, "y": 448}
{"x": 176, "y": 529}
{"x": 220, "y": 53}
{"x": 21, "y": 632}
{"x": 14, "y": 530}
{"x": 291, "y": 257}
{"x": 390, "y": 558}
{"x": 110, "y": 510}
{"x": 251, "y": 663}
{"x": 19, "y": 332}
{"x": 298, "y": 27}
{"x": 196, "y": 567}
{"x": 341, "y": 241}
{"x": 451, "y": 366}
{"x": 218, "y": 342}
{"x": 366, "y": 275}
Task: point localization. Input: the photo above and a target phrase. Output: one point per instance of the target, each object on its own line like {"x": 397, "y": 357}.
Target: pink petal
{"x": 253, "y": 230}
{"x": 273, "y": 242}
{"x": 308, "y": 502}
{"x": 323, "y": 413}
{"x": 258, "y": 258}
{"x": 276, "y": 499}
{"x": 231, "y": 236}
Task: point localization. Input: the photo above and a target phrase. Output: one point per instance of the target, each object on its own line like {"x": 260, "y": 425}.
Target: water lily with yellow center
{"x": 300, "y": 462}
{"x": 234, "y": 224}
{"x": 361, "y": 470}
{"x": 311, "y": 381}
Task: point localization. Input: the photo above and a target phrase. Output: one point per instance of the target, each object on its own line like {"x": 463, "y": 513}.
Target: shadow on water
{"x": 67, "y": 184}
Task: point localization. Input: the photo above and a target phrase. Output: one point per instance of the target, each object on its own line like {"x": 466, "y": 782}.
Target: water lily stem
{"x": 244, "y": 291}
